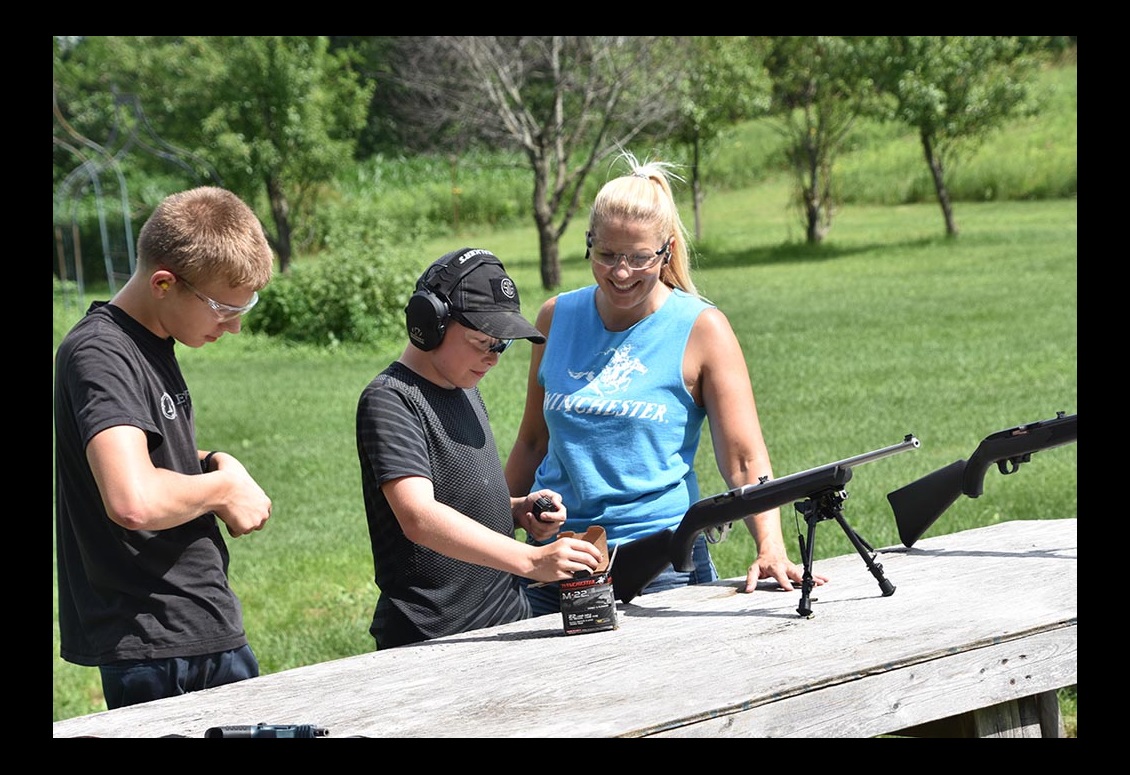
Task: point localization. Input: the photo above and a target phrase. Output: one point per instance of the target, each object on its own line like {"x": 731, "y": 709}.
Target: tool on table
{"x": 268, "y": 730}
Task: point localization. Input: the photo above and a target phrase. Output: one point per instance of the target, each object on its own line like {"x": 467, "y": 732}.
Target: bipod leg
{"x": 868, "y": 555}
{"x": 811, "y": 516}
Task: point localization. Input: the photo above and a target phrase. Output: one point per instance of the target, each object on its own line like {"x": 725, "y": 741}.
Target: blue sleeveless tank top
{"x": 623, "y": 430}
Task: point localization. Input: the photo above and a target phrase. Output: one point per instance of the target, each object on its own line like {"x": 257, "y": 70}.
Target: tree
{"x": 723, "y": 82}
{"x": 564, "y": 102}
{"x": 955, "y": 90}
{"x": 385, "y": 132}
{"x": 277, "y": 116}
{"x": 818, "y": 89}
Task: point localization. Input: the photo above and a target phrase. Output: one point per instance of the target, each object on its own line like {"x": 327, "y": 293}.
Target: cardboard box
{"x": 588, "y": 604}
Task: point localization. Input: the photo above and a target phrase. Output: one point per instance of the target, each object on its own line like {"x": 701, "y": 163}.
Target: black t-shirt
{"x": 408, "y": 426}
{"x": 141, "y": 594}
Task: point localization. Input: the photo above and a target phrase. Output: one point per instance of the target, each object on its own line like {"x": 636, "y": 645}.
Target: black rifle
{"x": 919, "y": 504}
{"x": 639, "y": 562}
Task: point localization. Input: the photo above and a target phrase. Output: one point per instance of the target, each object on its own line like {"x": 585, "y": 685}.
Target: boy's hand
{"x": 545, "y": 516}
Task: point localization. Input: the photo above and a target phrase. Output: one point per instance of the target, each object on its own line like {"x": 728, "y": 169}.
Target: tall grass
{"x": 880, "y": 163}
{"x": 1032, "y": 158}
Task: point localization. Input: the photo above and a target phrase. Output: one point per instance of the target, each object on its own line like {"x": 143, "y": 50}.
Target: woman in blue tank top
{"x": 617, "y": 396}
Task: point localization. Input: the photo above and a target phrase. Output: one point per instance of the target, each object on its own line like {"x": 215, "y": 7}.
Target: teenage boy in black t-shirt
{"x": 142, "y": 564}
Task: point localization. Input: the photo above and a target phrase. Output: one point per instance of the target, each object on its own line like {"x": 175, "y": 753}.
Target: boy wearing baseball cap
{"x": 441, "y": 519}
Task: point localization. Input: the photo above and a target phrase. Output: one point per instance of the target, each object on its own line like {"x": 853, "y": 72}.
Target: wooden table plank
{"x": 978, "y": 618}
{"x": 902, "y": 698}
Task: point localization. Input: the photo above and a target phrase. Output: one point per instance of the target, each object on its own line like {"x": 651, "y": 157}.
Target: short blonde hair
{"x": 644, "y": 195}
{"x": 205, "y": 233}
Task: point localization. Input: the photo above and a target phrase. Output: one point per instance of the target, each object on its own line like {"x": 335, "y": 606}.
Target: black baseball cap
{"x": 480, "y": 292}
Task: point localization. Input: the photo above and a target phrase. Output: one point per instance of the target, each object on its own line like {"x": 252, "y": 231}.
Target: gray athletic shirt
{"x": 408, "y": 426}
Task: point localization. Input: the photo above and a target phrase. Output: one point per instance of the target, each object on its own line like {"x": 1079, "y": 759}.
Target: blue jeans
{"x": 131, "y": 681}
{"x": 547, "y": 599}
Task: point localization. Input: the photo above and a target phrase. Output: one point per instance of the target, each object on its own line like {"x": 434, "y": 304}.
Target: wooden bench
{"x": 979, "y": 634}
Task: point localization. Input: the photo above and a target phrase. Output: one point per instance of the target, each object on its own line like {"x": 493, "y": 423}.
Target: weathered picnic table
{"x": 979, "y": 634}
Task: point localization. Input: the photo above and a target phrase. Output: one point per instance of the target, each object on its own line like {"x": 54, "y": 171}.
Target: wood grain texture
{"x": 980, "y": 620}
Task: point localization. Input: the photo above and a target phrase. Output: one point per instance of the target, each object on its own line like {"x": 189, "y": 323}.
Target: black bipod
{"x": 824, "y": 506}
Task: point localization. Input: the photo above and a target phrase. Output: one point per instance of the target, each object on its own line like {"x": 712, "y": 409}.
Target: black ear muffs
{"x": 426, "y": 316}
{"x": 429, "y": 307}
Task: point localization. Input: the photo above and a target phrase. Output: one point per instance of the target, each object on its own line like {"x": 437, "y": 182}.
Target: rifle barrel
{"x": 910, "y": 442}
{"x": 756, "y": 498}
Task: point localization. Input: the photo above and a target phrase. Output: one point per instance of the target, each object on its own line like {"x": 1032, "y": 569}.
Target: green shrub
{"x": 352, "y": 291}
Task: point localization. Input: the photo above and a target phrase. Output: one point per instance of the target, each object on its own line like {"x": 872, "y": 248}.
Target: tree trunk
{"x": 814, "y": 215}
{"x": 938, "y": 172}
{"x": 550, "y": 263}
{"x": 696, "y": 189}
{"x": 815, "y": 218}
{"x": 811, "y": 217}
{"x": 280, "y": 211}
{"x": 543, "y": 218}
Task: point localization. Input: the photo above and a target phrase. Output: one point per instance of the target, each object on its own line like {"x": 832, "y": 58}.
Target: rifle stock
{"x": 918, "y": 505}
{"x": 639, "y": 562}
